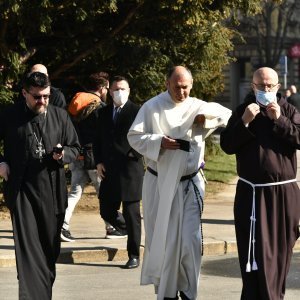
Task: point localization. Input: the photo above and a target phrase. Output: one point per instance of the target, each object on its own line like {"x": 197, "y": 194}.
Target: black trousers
{"x": 128, "y": 222}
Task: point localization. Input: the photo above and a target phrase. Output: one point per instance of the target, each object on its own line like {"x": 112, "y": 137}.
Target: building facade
{"x": 275, "y": 43}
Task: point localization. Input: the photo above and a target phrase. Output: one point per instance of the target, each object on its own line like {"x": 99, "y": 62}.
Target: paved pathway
{"x": 91, "y": 246}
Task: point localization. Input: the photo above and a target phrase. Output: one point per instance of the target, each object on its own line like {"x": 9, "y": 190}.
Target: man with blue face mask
{"x": 265, "y": 86}
{"x": 264, "y": 134}
{"x": 120, "y": 168}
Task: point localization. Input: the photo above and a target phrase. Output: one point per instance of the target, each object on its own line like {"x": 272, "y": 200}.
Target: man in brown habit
{"x": 38, "y": 139}
{"x": 264, "y": 134}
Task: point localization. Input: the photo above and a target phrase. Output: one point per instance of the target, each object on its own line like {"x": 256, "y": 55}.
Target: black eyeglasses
{"x": 262, "y": 87}
{"x": 39, "y": 97}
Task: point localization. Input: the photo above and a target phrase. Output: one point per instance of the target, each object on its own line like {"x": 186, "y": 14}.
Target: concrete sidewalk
{"x": 91, "y": 246}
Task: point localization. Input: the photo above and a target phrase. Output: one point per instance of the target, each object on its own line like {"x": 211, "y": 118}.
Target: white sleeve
{"x": 216, "y": 116}
{"x": 140, "y": 137}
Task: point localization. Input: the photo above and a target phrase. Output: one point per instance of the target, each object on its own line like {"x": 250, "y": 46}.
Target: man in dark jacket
{"x": 38, "y": 140}
{"x": 120, "y": 168}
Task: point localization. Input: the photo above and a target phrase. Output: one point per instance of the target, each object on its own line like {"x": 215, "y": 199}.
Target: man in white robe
{"x": 172, "y": 188}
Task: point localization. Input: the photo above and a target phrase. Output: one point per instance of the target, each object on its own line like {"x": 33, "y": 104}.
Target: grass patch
{"x": 220, "y": 169}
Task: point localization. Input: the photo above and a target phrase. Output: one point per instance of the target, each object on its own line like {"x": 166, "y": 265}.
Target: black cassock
{"x": 265, "y": 153}
{"x": 36, "y": 191}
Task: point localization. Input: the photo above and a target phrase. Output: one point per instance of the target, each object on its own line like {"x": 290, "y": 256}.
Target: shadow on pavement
{"x": 223, "y": 267}
{"x": 106, "y": 265}
{"x": 229, "y": 267}
{"x": 293, "y": 280}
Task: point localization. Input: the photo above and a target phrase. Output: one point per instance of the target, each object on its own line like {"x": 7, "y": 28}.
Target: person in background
{"x": 57, "y": 98}
{"x": 84, "y": 109}
{"x": 287, "y": 93}
{"x": 120, "y": 168}
{"x": 294, "y": 98}
{"x": 38, "y": 139}
{"x": 264, "y": 134}
{"x": 169, "y": 131}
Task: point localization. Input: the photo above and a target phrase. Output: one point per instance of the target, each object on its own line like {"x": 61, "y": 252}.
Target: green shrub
{"x": 219, "y": 166}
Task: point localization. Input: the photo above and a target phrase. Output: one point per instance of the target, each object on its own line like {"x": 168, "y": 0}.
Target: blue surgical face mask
{"x": 265, "y": 98}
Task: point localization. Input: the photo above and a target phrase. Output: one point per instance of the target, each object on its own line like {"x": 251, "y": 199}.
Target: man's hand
{"x": 168, "y": 143}
{"x": 57, "y": 155}
{"x": 273, "y": 111}
{"x": 101, "y": 170}
{"x": 4, "y": 170}
{"x": 250, "y": 113}
{"x": 199, "y": 119}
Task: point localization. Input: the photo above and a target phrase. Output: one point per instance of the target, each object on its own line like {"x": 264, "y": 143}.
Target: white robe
{"x": 171, "y": 210}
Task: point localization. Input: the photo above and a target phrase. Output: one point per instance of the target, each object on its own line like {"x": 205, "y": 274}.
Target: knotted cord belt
{"x": 201, "y": 207}
{"x": 253, "y": 220}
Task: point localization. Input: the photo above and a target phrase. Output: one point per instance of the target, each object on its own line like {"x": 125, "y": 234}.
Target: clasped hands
{"x": 253, "y": 109}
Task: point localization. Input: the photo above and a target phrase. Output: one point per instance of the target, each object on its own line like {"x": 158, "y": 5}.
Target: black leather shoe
{"x": 183, "y": 296}
{"x": 132, "y": 263}
{"x": 175, "y": 298}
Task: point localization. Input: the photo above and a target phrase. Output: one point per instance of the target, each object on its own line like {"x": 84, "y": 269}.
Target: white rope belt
{"x": 253, "y": 220}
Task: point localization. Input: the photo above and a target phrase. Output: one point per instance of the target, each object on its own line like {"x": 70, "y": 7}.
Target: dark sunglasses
{"x": 39, "y": 97}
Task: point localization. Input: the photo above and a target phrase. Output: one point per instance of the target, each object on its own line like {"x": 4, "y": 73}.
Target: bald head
{"x": 265, "y": 78}
{"x": 293, "y": 89}
{"x": 179, "y": 71}
{"x": 265, "y": 72}
{"x": 39, "y": 68}
{"x": 179, "y": 83}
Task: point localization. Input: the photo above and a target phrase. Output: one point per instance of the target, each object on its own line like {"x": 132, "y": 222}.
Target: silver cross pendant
{"x": 40, "y": 151}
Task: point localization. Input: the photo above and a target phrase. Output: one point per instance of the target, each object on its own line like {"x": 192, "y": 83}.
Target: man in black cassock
{"x": 35, "y": 187}
{"x": 264, "y": 134}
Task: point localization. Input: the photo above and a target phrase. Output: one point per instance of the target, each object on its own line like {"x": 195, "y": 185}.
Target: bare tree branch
{"x": 27, "y": 55}
{"x": 270, "y": 38}
{"x": 97, "y": 45}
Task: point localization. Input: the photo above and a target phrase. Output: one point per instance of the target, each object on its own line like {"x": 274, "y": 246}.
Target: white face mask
{"x": 120, "y": 97}
{"x": 265, "y": 98}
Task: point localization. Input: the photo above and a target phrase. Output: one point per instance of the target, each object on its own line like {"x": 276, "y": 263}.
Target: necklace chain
{"x": 40, "y": 149}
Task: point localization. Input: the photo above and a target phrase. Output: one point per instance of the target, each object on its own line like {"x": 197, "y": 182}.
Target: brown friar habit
{"x": 36, "y": 191}
{"x": 265, "y": 153}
